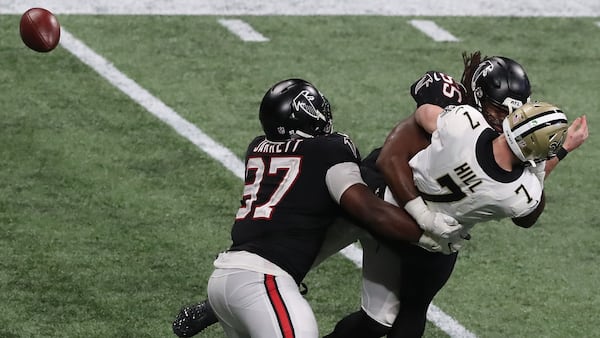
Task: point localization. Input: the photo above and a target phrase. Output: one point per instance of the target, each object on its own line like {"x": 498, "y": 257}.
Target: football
{"x": 40, "y": 30}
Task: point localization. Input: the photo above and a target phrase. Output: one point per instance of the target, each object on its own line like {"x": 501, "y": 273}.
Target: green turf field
{"x": 109, "y": 220}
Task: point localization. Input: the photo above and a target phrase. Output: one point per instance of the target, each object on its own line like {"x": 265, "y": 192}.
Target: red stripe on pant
{"x": 283, "y": 316}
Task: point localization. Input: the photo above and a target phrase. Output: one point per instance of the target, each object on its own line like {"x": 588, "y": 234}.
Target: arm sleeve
{"x": 341, "y": 177}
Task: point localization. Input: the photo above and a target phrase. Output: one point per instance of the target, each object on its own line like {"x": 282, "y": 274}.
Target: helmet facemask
{"x": 494, "y": 114}
{"x": 313, "y": 114}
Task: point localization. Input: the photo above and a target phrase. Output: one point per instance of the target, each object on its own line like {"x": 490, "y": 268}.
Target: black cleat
{"x": 192, "y": 319}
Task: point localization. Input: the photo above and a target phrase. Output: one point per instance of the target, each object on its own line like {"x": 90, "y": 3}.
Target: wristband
{"x": 561, "y": 153}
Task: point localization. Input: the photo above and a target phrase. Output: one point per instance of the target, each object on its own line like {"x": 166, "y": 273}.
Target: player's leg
{"x": 358, "y": 325}
{"x": 382, "y": 270}
{"x": 289, "y": 311}
{"x": 193, "y": 319}
{"x": 425, "y": 273}
{"x": 258, "y": 305}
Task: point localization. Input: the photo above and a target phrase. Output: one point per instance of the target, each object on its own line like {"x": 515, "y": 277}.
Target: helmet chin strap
{"x": 302, "y": 134}
{"x": 531, "y": 163}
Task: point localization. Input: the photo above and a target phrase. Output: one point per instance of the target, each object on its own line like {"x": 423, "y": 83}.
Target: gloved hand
{"x": 436, "y": 244}
{"x": 436, "y": 223}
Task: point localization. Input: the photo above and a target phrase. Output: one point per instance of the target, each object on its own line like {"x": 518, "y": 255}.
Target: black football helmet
{"x": 502, "y": 82}
{"x": 294, "y": 107}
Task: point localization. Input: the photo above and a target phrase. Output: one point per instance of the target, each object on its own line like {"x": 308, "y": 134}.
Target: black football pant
{"x": 423, "y": 274}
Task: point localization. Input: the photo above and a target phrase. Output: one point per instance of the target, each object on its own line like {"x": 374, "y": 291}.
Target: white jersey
{"x": 457, "y": 174}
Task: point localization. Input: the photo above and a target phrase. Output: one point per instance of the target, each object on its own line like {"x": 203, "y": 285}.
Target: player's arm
{"x": 409, "y": 137}
{"x": 347, "y": 187}
{"x": 529, "y": 220}
{"x": 576, "y": 136}
{"x": 403, "y": 142}
{"x": 431, "y": 92}
{"x": 426, "y": 117}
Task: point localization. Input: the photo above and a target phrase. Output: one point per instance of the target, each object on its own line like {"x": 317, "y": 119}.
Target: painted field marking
{"x": 434, "y": 31}
{"x": 223, "y": 155}
{"x": 243, "y": 30}
{"x": 152, "y": 104}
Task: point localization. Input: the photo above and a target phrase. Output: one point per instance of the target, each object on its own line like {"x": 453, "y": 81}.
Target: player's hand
{"x": 445, "y": 227}
{"x": 438, "y": 224}
{"x": 435, "y": 244}
{"x": 576, "y": 134}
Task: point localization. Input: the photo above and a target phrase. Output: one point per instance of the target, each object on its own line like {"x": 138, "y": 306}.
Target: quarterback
{"x": 470, "y": 171}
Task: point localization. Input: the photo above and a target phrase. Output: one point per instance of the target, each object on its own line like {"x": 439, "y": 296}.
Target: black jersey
{"x": 286, "y": 206}
{"x": 439, "y": 89}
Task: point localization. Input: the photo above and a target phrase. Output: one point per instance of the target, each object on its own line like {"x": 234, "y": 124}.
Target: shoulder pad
{"x": 347, "y": 143}
{"x": 439, "y": 89}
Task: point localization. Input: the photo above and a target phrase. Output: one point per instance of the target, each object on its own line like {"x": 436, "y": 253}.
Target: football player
{"x": 467, "y": 172}
{"x": 297, "y": 176}
{"x": 433, "y": 88}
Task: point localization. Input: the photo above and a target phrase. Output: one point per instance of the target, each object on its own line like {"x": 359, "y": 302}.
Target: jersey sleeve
{"x": 456, "y": 121}
{"x": 342, "y": 176}
{"x": 439, "y": 89}
{"x": 343, "y": 170}
{"x": 529, "y": 196}
{"x": 340, "y": 148}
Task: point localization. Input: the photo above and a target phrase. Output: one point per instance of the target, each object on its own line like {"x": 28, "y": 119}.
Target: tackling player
{"x": 296, "y": 175}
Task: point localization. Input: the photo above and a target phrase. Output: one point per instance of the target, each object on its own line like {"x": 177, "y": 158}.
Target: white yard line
{"x": 447, "y": 324}
{"x": 223, "y": 155}
{"x": 434, "y": 31}
{"x": 534, "y": 8}
{"x": 243, "y": 30}
{"x": 152, "y": 104}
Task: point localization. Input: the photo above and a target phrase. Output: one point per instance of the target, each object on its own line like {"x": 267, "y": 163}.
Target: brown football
{"x": 40, "y": 29}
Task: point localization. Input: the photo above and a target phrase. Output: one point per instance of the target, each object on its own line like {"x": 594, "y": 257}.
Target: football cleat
{"x": 192, "y": 319}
